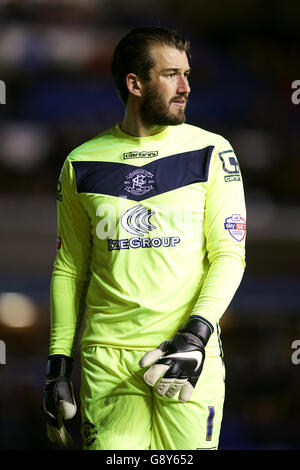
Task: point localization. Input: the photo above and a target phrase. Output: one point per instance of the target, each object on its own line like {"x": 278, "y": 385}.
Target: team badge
{"x": 236, "y": 227}
{"x": 139, "y": 182}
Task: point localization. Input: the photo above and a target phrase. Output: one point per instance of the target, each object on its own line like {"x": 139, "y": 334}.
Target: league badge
{"x": 236, "y": 227}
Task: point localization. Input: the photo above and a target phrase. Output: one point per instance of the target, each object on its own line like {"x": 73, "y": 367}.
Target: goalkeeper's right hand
{"x": 59, "y": 402}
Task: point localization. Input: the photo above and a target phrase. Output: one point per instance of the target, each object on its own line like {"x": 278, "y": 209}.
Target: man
{"x": 151, "y": 236}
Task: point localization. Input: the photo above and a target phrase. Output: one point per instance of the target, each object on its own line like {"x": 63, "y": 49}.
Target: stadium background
{"x": 54, "y": 60}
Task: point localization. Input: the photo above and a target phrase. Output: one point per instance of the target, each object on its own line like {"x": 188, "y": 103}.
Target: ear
{"x": 134, "y": 84}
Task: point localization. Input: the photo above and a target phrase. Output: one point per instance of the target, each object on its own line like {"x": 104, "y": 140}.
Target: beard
{"x": 156, "y": 112}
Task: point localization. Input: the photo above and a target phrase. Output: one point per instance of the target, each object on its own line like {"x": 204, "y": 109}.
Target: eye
{"x": 172, "y": 74}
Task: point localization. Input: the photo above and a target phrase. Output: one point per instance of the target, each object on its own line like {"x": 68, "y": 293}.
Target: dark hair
{"x": 132, "y": 53}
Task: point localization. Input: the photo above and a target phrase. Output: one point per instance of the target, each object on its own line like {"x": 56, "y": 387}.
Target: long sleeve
{"x": 70, "y": 275}
{"x": 225, "y": 230}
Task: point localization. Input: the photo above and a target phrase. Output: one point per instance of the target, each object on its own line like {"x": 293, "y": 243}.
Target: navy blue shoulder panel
{"x": 138, "y": 183}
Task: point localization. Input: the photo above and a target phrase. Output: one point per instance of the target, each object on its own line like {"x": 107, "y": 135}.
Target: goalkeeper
{"x": 150, "y": 252}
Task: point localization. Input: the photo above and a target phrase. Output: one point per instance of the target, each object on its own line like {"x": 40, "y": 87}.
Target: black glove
{"x": 59, "y": 402}
{"x": 177, "y": 364}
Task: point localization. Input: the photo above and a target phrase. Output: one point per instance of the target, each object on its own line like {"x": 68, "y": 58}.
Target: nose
{"x": 183, "y": 85}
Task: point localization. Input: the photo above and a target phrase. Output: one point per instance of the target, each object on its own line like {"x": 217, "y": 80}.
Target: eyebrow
{"x": 175, "y": 69}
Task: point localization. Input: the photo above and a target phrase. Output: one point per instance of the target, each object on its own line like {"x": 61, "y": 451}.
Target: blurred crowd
{"x": 55, "y": 63}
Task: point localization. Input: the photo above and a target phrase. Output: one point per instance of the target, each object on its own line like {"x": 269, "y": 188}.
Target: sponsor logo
{"x": 230, "y": 166}
{"x": 139, "y": 182}
{"x": 136, "y": 221}
{"x": 129, "y": 155}
{"x": 236, "y": 227}
{"x": 137, "y": 242}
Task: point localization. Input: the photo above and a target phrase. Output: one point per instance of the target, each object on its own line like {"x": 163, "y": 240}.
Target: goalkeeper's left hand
{"x": 177, "y": 364}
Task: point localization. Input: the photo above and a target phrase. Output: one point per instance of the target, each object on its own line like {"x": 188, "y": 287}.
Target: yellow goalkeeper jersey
{"x": 151, "y": 230}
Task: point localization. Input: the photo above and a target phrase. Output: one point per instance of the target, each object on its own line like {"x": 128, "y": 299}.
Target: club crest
{"x": 139, "y": 182}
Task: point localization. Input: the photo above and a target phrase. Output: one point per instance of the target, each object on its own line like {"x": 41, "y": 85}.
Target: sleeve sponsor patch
{"x": 236, "y": 227}
{"x": 230, "y": 166}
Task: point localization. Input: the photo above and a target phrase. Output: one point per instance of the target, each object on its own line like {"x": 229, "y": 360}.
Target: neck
{"x": 133, "y": 125}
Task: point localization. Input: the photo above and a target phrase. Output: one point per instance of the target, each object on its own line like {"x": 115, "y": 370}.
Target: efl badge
{"x": 236, "y": 226}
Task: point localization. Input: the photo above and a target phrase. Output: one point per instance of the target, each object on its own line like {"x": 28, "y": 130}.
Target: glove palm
{"x": 176, "y": 365}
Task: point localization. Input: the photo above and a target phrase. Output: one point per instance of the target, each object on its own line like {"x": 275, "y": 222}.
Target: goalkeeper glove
{"x": 59, "y": 402}
{"x": 177, "y": 364}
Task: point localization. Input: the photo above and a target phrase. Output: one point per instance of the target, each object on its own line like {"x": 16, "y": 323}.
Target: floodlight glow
{"x": 17, "y": 310}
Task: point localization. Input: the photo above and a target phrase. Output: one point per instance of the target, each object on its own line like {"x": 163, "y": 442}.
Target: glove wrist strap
{"x": 59, "y": 366}
{"x": 199, "y": 327}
